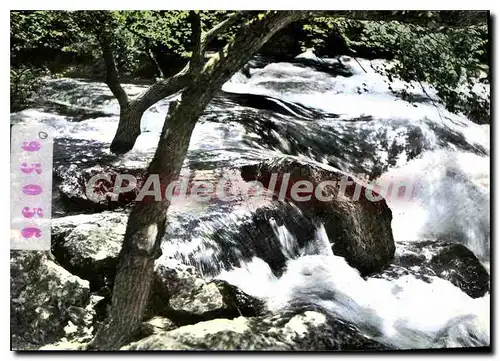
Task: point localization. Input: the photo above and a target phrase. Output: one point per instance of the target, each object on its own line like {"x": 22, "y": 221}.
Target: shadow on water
{"x": 332, "y": 69}
{"x": 358, "y": 145}
{"x": 262, "y": 102}
{"x": 84, "y": 153}
{"x": 74, "y": 113}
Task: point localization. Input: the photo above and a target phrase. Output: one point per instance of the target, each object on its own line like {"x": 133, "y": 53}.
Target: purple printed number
{"x": 32, "y": 146}
{"x": 37, "y": 167}
{"x": 33, "y": 158}
{"x": 30, "y": 232}
{"x": 30, "y": 212}
{"x": 32, "y": 189}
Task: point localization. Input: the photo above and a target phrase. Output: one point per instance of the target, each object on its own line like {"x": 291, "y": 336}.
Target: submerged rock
{"x": 47, "y": 302}
{"x": 303, "y": 331}
{"x": 220, "y": 239}
{"x": 279, "y": 106}
{"x": 359, "y": 228}
{"x": 450, "y": 261}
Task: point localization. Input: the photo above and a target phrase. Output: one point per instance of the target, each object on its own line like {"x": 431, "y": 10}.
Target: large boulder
{"x": 298, "y": 331}
{"x": 47, "y": 302}
{"x": 359, "y": 228}
{"x": 77, "y": 194}
{"x": 439, "y": 258}
{"x": 88, "y": 245}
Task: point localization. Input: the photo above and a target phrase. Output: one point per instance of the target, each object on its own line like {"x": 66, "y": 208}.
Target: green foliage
{"x": 134, "y": 35}
{"x": 42, "y": 29}
{"x": 317, "y": 31}
{"x": 170, "y": 28}
{"x": 24, "y": 82}
{"x": 451, "y": 60}
{"x": 50, "y": 39}
{"x": 330, "y": 36}
{"x": 157, "y": 27}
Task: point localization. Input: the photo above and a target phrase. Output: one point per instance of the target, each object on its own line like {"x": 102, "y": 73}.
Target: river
{"x": 337, "y": 112}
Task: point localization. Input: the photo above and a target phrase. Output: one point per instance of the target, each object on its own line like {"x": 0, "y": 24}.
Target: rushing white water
{"x": 404, "y": 313}
{"x": 444, "y": 156}
{"x": 451, "y": 199}
{"x": 366, "y": 92}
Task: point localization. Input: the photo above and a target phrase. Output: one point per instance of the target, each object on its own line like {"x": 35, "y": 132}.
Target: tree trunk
{"x": 146, "y": 224}
{"x": 129, "y": 126}
{"x": 145, "y": 230}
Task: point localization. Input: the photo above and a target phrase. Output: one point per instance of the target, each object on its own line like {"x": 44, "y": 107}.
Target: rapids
{"x": 347, "y": 119}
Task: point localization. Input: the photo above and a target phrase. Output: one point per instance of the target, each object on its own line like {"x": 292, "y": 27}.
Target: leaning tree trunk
{"x": 146, "y": 224}
{"x": 145, "y": 229}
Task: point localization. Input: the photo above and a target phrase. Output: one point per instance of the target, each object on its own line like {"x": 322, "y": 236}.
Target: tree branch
{"x": 249, "y": 39}
{"x": 147, "y": 51}
{"x": 201, "y": 39}
{"x": 197, "y": 41}
{"x": 161, "y": 90}
{"x": 223, "y": 25}
{"x": 112, "y": 79}
{"x": 152, "y": 57}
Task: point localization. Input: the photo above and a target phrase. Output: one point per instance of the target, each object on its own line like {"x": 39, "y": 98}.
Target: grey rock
{"x": 303, "y": 331}
{"x": 183, "y": 295}
{"x": 47, "y": 302}
{"x": 440, "y": 258}
{"x": 73, "y": 182}
{"x": 88, "y": 245}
